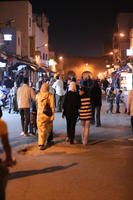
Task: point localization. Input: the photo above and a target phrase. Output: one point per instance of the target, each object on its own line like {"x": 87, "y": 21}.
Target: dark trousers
{"x": 110, "y": 107}
{"x": 96, "y": 113}
{"x": 25, "y": 118}
{"x": 3, "y": 180}
{"x": 132, "y": 123}
{"x": 59, "y": 102}
{"x": 117, "y": 107}
{"x": 71, "y": 123}
{"x": 51, "y": 136}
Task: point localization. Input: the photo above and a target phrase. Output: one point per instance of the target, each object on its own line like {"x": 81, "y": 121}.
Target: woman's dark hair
{"x": 73, "y": 79}
{"x": 25, "y": 80}
{"x": 0, "y": 112}
{"x": 84, "y": 89}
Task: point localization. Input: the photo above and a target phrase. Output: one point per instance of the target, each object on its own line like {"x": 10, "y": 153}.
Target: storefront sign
{"x": 2, "y": 64}
{"x": 129, "y": 52}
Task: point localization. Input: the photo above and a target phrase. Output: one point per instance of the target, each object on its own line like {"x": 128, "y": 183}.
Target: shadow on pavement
{"x": 21, "y": 174}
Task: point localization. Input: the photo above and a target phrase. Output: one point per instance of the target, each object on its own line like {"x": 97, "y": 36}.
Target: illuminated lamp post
{"x": 116, "y": 47}
{"x": 61, "y": 64}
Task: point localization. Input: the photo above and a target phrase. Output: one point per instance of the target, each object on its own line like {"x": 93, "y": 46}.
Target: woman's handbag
{"x": 47, "y": 109}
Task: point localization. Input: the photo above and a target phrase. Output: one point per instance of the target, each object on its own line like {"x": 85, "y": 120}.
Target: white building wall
{"x": 41, "y": 41}
{"x": 20, "y": 11}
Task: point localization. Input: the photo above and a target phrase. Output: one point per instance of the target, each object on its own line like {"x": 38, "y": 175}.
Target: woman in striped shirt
{"x": 85, "y": 114}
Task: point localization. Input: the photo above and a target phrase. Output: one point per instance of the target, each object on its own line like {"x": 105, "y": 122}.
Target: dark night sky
{"x": 79, "y": 27}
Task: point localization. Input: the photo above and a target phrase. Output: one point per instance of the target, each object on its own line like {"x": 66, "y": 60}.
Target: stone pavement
{"x": 113, "y": 126}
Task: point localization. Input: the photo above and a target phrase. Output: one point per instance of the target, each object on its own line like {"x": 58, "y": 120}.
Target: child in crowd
{"x": 118, "y": 99}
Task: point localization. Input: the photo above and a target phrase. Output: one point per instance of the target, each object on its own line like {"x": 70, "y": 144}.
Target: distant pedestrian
{"x": 118, "y": 99}
{"x": 124, "y": 99}
{"x": 96, "y": 102}
{"x": 59, "y": 90}
{"x": 85, "y": 114}
{"x": 24, "y": 96}
{"x": 110, "y": 100}
{"x": 44, "y": 122}
{"x": 71, "y": 107}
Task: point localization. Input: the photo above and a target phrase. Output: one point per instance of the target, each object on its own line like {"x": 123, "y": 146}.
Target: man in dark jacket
{"x": 96, "y": 101}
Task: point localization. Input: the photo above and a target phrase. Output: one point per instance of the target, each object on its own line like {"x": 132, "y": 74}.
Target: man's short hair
{"x": 25, "y": 80}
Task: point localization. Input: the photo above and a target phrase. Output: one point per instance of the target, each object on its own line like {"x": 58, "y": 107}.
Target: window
{"x": 7, "y": 37}
{"x": 43, "y": 56}
{"x": 30, "y": 22}
{"x": 18, "y": 41}
{"x": 46, "y": 56}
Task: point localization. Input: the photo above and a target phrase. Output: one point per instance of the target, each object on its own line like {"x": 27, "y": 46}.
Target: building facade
{"x": 121, "y": 36}
{"x": 32, "y": 28}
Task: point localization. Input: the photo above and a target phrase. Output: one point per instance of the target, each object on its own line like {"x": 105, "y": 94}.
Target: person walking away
{"x": 24, "y": 96}
{"x": 33, "y": 116}
{"x": 59, "y": 89}
{"x": 96, "y": 102}
{"x": 130, "y": 107}
{"x": 124, "y": 99}
{"x": 10, "y": 97}
{"x": 110, "y": 100}
{"x": 44, "y": 122}
{"x": 9, "y": 161}
{"x": 118, "y": 99}
{"x": 14, "y": 100}
{"x": 85, "y": 114}
{"x": 71, "y": 107}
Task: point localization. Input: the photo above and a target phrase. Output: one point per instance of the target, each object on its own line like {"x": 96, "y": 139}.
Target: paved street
{"x": 100, "y": 171}
{"x": 114, "y": 126}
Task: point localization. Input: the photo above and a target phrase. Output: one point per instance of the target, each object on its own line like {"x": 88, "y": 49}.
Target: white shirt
{"x": 24, "y": 96}
{"x": 59, "y": 88}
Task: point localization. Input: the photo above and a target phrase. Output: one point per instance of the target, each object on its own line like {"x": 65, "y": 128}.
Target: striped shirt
{"x": 85, "y": 108}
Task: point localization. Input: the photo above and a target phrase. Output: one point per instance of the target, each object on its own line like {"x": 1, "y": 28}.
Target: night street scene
{"x": 66, "y": 100}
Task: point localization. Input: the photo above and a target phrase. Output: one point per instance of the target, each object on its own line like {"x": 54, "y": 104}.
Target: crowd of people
{"x": 75, "y": 100}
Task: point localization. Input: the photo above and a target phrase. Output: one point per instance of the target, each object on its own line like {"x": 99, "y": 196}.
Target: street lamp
{"x": 43, "y": 45}
{"x": 116, "y": 47}
{"x": 122, "y": 35}
{"x": 61, "y": 64}
{"x": 60, "y": 58}
{"x": 111, "y": 53}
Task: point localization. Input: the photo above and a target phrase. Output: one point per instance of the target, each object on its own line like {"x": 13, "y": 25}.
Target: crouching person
{"x": 8, "y": 159}
{"x": 44, "y": 122}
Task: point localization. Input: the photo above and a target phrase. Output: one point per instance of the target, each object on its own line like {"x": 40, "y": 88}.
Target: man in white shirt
{"x": 59, "y": 89}
{"x": 24, "y": 96}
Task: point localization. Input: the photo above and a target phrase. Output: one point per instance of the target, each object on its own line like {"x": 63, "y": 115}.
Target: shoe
{"x": 22, "y": 133}
{"x": 50, "y": 143}
{"x": 117, "y": 112}
{"x": 41, "y": 147}
{"x": 67, "y": 139}
{"x": 71, "y": 142}
{"x": 32, "y": 134}
{"x": 98, "y": 125}
{"x": 25, "y": 134}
